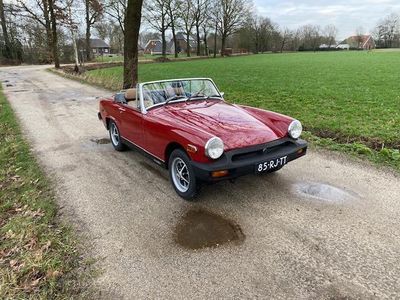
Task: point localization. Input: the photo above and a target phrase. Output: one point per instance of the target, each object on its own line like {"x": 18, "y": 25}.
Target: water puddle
{"x": 201, "y": 229}
{"x": 19, "y": 91}
{"x": 101, "y": 141}
{"x": 323, "y": 191}
{"x": 153, "y": 170}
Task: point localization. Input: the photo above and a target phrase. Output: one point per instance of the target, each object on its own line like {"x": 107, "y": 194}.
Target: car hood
{"x": 234, "y": 125}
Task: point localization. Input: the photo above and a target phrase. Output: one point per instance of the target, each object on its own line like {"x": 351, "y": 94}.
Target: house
{"x": 365, "y": 42}
{"x": 99, "y": 47}
{"x": 181, "y": 43}
{"x": 154, "y": 47}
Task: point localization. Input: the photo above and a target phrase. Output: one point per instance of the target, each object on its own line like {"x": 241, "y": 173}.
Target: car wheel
{"x": 115, "y": 137}
{"x": 182, "y": 175}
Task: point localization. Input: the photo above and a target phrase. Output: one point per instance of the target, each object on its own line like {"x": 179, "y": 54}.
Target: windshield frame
{"x": 141, "y": 98}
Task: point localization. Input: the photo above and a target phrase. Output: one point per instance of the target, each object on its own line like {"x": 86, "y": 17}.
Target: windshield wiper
{"x": 173, "y": 98}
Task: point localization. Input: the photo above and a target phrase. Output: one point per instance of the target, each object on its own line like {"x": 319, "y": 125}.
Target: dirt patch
{"x": 201, "y": 229}
{"x": 101, "y": 141}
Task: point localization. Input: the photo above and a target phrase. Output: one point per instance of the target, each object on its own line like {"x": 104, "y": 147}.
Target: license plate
{"x": 271, "y": 164}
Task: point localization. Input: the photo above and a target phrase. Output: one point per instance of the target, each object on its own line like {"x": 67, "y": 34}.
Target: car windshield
{"x": 166, "y": 91}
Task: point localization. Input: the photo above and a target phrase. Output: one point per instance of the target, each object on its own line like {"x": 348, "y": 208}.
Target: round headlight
{"x": 214, "y": 147}
{"x": 295, "y": 129}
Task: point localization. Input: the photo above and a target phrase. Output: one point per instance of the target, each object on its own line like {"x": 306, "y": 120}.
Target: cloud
{"x": 347, "y": 16}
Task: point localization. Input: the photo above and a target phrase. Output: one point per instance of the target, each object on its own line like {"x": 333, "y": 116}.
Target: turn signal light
{"x": 217, "y": 174}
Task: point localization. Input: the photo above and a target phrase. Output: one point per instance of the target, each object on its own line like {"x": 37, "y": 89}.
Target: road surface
{"x": 322, "y": 227}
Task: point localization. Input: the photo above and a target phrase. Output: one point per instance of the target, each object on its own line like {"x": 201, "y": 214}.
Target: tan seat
{"x": 130, "y": 97}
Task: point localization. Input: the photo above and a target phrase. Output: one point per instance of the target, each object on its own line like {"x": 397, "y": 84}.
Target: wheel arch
{"x": 168, "y": 150}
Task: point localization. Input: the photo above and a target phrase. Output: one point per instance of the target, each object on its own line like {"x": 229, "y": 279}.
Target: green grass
{"x": 38, "y": 254}
{"x": 353, "y": 96}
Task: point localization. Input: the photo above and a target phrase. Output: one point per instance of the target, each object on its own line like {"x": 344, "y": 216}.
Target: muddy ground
{"x": 322, "y": 227}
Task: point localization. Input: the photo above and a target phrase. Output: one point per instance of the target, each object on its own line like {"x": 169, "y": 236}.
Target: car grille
{"x": 259, "y": 152}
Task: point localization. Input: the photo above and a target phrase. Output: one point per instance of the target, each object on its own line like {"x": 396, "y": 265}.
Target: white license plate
{"x": 271, "y": 164}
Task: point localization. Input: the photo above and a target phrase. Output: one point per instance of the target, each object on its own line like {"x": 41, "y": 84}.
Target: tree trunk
{"x": 187, "y": 44}
{"x": 54, "y": 35}
{"x": 174, "y": 39}
{"x": 198, "y": 52}
{"x": 215, "y": 39}
{"x": 223, "y": 39}
{"x": 7, "y": 52}
{"x": 132, "y": 27}
{"x": 88, "y": 50}
{"x": 164, "y": 43}
{"x": 205, "y": 43}
{"x": 48, "y": 29}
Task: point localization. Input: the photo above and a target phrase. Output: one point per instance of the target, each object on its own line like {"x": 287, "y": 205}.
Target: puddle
{"x": 323, "y": 191}
{"x": 100, "y": 141}
{"x": 9, "y": 84}
{"x": 200, "y": 229}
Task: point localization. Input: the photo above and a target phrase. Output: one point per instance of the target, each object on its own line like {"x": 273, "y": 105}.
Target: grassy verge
{"x": 38, "y": 255}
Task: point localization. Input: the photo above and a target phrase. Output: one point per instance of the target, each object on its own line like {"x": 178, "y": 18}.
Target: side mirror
{"x": 222, "y": 94}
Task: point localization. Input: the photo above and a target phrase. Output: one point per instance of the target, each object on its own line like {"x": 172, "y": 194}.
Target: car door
{"x": 131, "y": 124}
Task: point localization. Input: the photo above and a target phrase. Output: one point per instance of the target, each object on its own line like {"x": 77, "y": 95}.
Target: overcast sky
{"x": 346, "y": 15}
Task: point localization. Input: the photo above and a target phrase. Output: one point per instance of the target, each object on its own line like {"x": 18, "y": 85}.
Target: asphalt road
{"x": 342, "y": 242}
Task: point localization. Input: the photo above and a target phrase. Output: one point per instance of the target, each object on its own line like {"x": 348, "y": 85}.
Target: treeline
{"x": 46, "y": 31}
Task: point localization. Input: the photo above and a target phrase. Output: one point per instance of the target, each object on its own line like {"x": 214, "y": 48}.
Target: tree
{"x": 7, "y": 43}
{"x": 330, "y": 32}
{"x": 187, "y": 15}
{"x": 54, "y": 33}
{"x": 200, "y": 16}
{"x": 231, "y": 16}
{"x": 132, "y": 27}
{"x": 116, "y": 9}
{"x": 72, "y": 25}
{"x": 173, "y": 6}
{"x": 93, "y": 12}
{"x": 359, "y": 37}
{"x": 156, "y": 15}
{"x": 285, "y": 35}
{"x": 387, "y": 30}
{"x": 39, "y": 11}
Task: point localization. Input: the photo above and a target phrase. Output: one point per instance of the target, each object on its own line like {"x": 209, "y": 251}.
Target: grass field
{"x": 120, "y": 58}
{"x": 38, "y": 255}
{"x": 349, "y": 96}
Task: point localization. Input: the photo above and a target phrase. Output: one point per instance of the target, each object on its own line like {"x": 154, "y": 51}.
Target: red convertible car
{"x": 186, "y": 126}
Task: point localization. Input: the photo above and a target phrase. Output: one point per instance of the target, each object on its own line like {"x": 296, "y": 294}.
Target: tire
{"x": 115, "y": 137}
{"x": 181, "y": 175}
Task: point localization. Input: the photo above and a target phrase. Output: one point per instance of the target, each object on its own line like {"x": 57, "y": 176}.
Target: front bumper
{"x": 243, "y": 161}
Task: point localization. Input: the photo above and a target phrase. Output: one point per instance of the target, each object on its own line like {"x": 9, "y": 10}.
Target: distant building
{"x": 365, "y": 42}
{"x": 154, "y": 47}
{"x": 97, "y": 46}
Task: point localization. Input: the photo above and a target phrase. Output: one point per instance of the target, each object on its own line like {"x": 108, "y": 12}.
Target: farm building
{"x": 365, "y": 42}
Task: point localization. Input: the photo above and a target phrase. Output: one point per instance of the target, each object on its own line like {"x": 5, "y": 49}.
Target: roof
{"x": 355, "y": 40}
{"x": 98, "y": 43}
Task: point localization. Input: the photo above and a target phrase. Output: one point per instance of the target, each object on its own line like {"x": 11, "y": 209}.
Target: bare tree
{"x": 187, "y": 14}
{"x": 330, "y": 32}
{"x": 156, "y": 15}
{"x": 232, "y": 15}
{"x": 68, "y": 20}
{"x": 285, "y": 35}
{"x": 54, "y": 45}
{"x": 7, "y": 42}
{"x": 173, "y": 6}
{"x": 116, "y": 9}
{"x": 39, "y": 11}
{"x": 93, "y": 12}
{"x": 359, "y": 37}
{"x": 200, "y": 16}
{"x": 387, "y": 30}
{"x": 132, "y": 28}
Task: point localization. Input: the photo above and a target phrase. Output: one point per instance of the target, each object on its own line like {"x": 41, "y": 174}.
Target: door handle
{"x": 121, "y": 110}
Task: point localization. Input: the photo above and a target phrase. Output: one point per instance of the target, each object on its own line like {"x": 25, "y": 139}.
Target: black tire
{"x": 177, "y": 157}
{"x": 115, "y": 137}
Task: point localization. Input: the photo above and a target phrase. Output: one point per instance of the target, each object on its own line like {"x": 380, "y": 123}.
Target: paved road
{"x": 345, "y": 243}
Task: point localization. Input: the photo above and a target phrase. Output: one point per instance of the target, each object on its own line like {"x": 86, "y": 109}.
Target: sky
{"x": 346, "y": 15}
